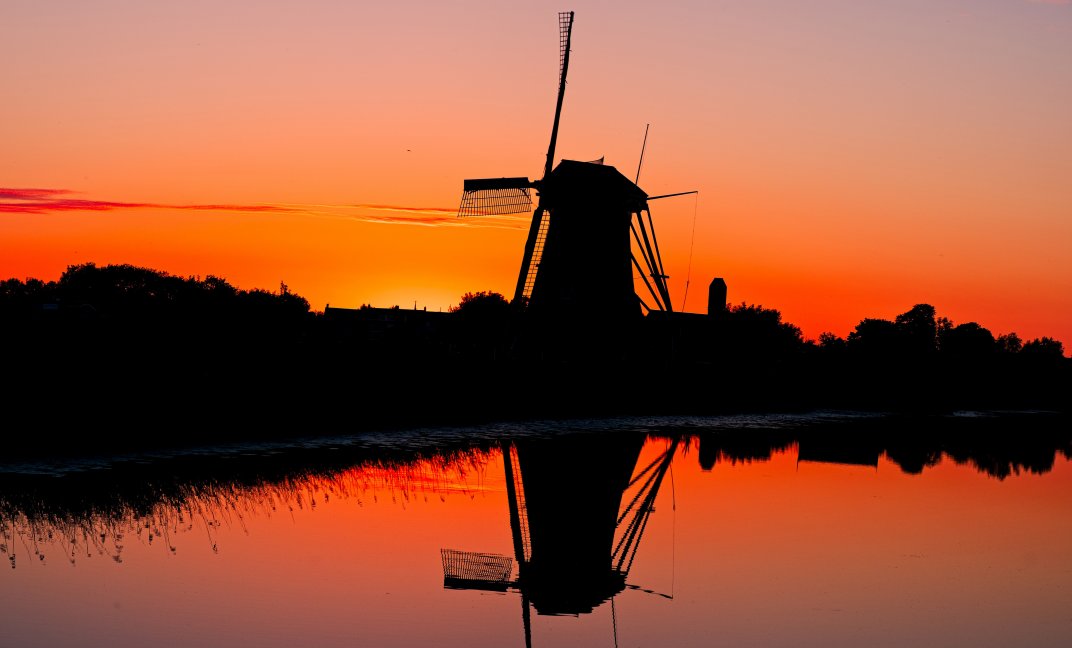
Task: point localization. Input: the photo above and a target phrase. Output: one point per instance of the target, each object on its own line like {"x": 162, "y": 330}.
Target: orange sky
{"x": 853, "y": 158}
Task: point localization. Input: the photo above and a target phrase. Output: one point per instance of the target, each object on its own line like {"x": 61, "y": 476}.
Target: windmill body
{"x": 586, "y": 268}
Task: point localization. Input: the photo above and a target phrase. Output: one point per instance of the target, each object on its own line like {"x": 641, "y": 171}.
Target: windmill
{"x": 579, "y": 256}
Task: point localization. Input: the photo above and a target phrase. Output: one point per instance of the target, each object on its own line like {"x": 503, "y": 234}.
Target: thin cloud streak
{"x": 30, "y": 194}
{"x": 426, "y": 218}
{"x": 47, "y": 201}
{"x": 414, "y": 210}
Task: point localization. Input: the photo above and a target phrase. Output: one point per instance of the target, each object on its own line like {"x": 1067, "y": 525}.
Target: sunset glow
{"x": 852, "y": 158}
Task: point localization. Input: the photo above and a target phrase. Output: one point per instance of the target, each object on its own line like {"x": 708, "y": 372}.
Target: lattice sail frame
{"x": 476, "y": 570}
{"x": 495, "y": 197}
{"x": 565, "y": 18}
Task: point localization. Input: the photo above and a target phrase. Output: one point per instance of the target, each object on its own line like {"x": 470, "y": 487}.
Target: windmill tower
{"x": 590, "y": 230}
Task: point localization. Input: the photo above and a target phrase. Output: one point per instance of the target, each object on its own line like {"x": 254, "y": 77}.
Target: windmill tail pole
{"x": 642, "y": 148}
{"x": 565, "y": 21}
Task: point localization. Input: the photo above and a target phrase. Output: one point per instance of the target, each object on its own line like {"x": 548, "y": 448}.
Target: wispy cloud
{"x": 431, "y": 216}
{"x": 439, "y": 211}
{"x": 44, "y": 201}
{"x": 30, "y": 194}
{"x": 48, "y": 201}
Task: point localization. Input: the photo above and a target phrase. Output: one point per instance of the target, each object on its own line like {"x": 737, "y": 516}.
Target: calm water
{"x": 822, "y": 530}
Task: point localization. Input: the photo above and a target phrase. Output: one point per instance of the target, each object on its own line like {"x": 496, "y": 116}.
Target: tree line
{"x": 139, "y": 348}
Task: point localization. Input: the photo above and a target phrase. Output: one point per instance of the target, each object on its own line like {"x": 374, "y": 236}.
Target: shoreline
{"x": 855, "y": 425}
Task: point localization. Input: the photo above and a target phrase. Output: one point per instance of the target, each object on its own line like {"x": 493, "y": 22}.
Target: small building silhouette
{"x": 373, "y": 324}
{"x": 716, "y": 297}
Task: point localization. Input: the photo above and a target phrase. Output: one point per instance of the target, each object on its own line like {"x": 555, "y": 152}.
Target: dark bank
{"x": 127, "y": 356}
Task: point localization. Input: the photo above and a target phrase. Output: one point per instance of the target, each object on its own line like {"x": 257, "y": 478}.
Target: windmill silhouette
{"x": 579, "y": 255}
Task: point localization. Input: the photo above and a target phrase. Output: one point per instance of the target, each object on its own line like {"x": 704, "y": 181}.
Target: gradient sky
{"x": 853, "y": 157}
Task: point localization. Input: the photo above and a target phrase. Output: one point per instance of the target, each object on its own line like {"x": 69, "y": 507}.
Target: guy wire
{"x": 692, "y": 246}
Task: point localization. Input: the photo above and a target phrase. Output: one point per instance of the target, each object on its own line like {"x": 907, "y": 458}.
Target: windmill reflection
{"x": 578, "y": 509}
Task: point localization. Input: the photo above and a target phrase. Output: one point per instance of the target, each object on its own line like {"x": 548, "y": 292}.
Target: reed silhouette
{"x": 84, "y": 512}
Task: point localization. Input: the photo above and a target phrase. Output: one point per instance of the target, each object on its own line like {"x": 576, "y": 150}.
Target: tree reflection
{"x": 996, "y": 445}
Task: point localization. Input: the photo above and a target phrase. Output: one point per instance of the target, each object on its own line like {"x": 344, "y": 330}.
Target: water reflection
{"x": 573, "y": 536}
{"x": 578, "y": 511}
{"x": 779, "y": 520}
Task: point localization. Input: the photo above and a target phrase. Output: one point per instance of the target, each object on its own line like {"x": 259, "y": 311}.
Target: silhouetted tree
{"x": 753, "y": 332}
{"x": 128, "y": 319}
{"x": 831, "y": 343}
{"x": 918, "y": 328}
{"x": 482, "y": 304}
{"x": 482, "y": 324}
{"x": 1009, "y": 343}
{"x": 914, "y": 332}
{"x": 1044, "y": 347}
{"x": 874, "y": 336}
{"x": 967, "y": 340}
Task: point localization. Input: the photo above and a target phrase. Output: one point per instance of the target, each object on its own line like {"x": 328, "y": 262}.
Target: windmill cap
{"x": 587, "y": 181}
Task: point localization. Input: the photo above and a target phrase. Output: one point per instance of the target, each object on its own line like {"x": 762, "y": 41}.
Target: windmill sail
{"x": 530, "y": 261}
{"x": 565, "y": 28}
{"x": 495, "y": 197}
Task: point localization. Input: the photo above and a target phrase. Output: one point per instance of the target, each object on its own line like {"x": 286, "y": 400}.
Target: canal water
{"x": 825, "y": 529}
